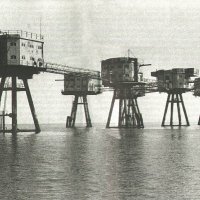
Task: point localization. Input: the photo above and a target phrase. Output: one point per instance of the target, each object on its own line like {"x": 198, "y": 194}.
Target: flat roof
{"x": 23, "y": 34}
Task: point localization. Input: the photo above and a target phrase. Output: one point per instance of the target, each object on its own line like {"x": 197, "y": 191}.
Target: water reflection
{"x": 100, "y": 163}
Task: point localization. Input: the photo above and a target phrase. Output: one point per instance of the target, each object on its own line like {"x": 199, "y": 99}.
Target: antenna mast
{"x": 40, "y": 26}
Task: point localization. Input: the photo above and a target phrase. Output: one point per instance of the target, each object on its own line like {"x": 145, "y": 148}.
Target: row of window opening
{"x": 23, "y": 57}
{"x": 23, "y": 45}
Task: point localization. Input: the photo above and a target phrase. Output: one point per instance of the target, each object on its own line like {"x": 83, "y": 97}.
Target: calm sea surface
{"x": 98, "y": 163}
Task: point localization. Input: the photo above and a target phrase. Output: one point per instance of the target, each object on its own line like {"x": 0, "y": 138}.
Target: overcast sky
{"x": 165, "y": 33}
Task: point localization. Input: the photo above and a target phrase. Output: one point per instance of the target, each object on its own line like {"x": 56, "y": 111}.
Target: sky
{"x": 81, "y": 33}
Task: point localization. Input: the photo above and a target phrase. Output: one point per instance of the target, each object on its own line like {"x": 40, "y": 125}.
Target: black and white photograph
{"x": 99, "y": 100}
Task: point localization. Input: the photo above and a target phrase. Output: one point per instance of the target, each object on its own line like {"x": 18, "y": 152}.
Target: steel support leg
{"x": 3, "y": 80}
{"x": 133, "y": 113}
{"x": 120, "y": 113}
{"x": 178, "y": 109}
{"x": 125, "y": 113}
{"x": 140, "y": 119}
{"x": 74, "y": 110}
{"x": 165, "y": 112}
{"x": 14, "y": 105}
{"x": 172, "y": 109}
{"x": 111, "y": 109}
{"x": 86, "y": 109}
{"x": 30, "y": 101}
{"x": 184, "y": 110}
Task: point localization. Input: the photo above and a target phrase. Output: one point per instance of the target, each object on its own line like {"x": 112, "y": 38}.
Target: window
{"x": 23, "y": 44}
{"x": 12, "y": 44}
{"x": 13, "y": 57}
{"x": 23, "y": 57}
{"x": 30, "y": 45}
{"x": 31, "y": 58}
{"x": 39, "y": 47}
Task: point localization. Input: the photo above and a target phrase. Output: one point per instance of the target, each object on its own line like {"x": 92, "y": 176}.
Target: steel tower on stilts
{"x": 80, "y": 86}
{"x": 14, "y": 89}
{"x": 129, "y": 113}
{"x": 70, "y": 122}
{"x": 175, "y": 98}
{"x": 122, "y": 74}
{"x": 21, "y": 56}
{"x": 175, "y": 82}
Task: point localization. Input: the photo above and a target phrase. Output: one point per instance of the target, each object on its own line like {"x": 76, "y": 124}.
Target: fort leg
{"x": 87, "y": 114}
{"x": 3, "y": 80}
{"x": 74, "y": 110}
{"x": 165, "y": 112}
{"x": 178, "y": 108}
{"x": 172, "y": 110}
{"x": 14, "y": 105}
{"x": 133, "y": 113}
{"x": 184, "y": 110}
{"x": 140, "y": 119}
{"x": 120, "y": 113}
{"x": 125, "y": 113}
{"x": 28, "y": 93}
{"x": 111, "y": 109}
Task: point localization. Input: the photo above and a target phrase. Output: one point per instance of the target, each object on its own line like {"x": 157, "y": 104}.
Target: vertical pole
{"x": 14, "y": 105}
{"x": 129, "y": 113}
{"x": 178, "y": 108}
{"x": 136, "y": 70}
{"x": 184, "y": 110}
{"x": 140, "y": 124}
{"x": 172, "y": 110}
{"x": 125, "y": 113}
{"x": 120, "y": 113}
{"x": 30, "y": 101}
{"x": 133, "y": 113}
{"x": 111, "y": 109}
{"x": 165, "y": 112}
{"x": 3, "y": 113}
{"x": 74, "y": 109}
{"x": 3, "y": 79}
{"x": 86, "y": 109}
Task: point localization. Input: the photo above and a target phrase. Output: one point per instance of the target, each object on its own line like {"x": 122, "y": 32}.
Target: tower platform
{"x": 80, "y": 98}
{"x": 129, "y": 113}
{"x": 14, "y": 89}
{"x": 175, "y": 97}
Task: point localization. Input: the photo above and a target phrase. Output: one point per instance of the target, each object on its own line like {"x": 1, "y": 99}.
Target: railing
{"x": 64, "y": 69}
{"x": 23, "y": 34}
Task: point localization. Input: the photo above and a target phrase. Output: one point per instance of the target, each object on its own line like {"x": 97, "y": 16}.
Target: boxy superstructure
{"x": 21, "y": 56}
{"x": 121, "y": 69}
{"x": 20, "y": 48}
{"x": 81, "y": 84}
{"x": 175, "y": 82}
{"x": 122, "y": 74}
{"x": 174, "y": 79}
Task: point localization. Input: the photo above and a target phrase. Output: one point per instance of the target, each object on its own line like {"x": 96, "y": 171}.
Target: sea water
{"x": 98, "y": 163}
